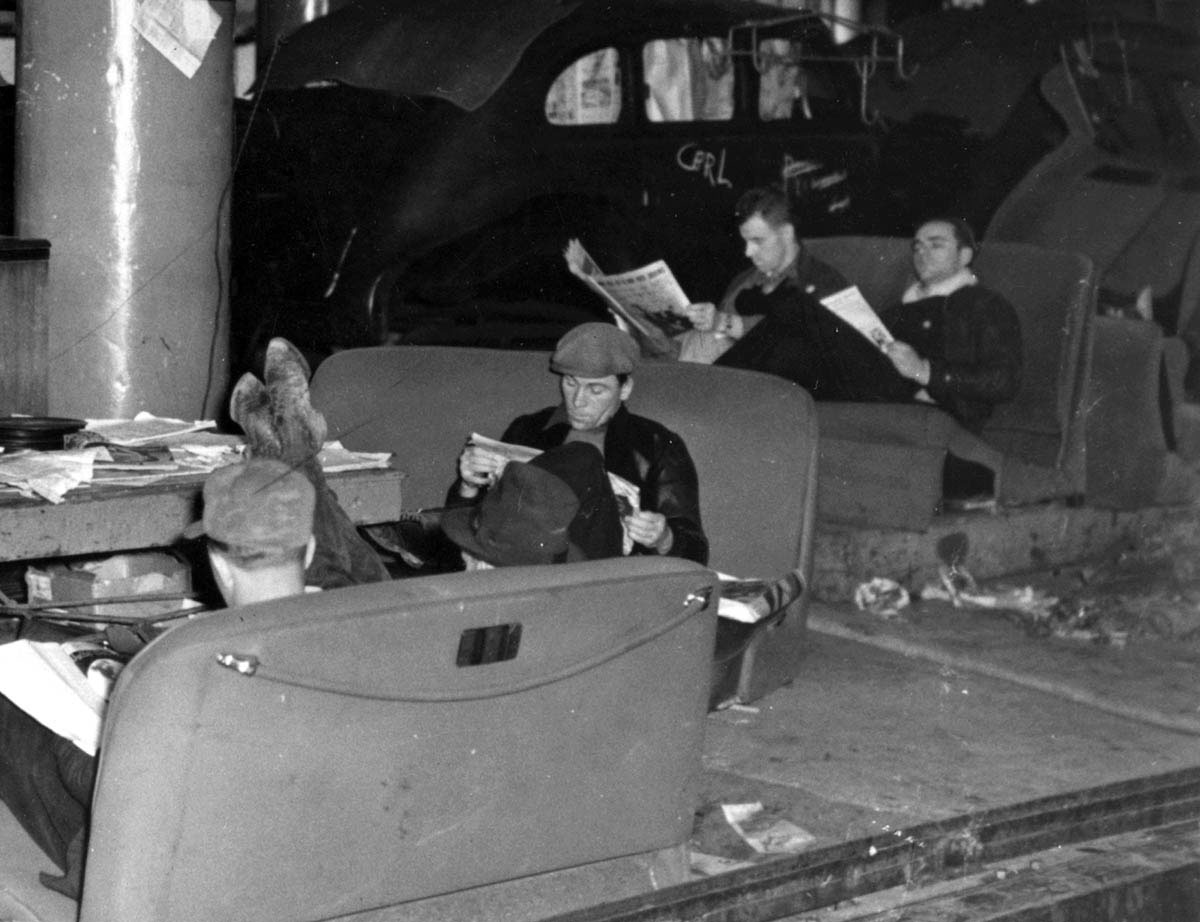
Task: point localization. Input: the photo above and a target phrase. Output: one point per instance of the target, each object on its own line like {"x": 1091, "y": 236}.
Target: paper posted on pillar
{"x": 181, "y": 30}
{"x": 851, "y": 306}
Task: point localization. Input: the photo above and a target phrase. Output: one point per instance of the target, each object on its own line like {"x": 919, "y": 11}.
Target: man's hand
{"x": 908, "y": 362}
{"x": 650, "y": 529}
{"x": 702, "y": 316}
{"x": 478, "y": 468}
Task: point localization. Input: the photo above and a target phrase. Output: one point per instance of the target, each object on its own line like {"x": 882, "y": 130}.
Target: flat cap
{"x": 261, "y": 503}
{"x": 594, "y": 350}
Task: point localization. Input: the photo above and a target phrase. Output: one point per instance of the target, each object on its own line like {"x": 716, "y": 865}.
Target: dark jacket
{"x": 646, "y": 454}
{"x": 972, "y": 339}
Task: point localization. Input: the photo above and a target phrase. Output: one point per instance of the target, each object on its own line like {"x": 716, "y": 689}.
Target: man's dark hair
{"x": 964, "y": 236}
{"x": 770, "y": 202}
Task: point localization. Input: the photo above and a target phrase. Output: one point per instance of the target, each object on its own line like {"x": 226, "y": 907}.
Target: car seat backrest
{"x": 753, "y": 436}
{"x": 314, "y": 757}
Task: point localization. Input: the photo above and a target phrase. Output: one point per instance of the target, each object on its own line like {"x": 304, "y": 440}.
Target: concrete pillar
{"x": 123, "y": 163}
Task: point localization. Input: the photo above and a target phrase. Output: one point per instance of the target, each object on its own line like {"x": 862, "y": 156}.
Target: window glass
{"x": 786, "y": 89}
{"x": 588, "y": 92}
{"x": 688, "y": 80}
{"x": 779, "y": 82}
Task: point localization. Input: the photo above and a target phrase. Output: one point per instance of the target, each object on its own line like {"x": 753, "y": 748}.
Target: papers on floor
{"x": 712, "y": 865}
{"x": 851, "y": 306}
{"x": 44, "y": 680}
{"x": 766, "y": 834}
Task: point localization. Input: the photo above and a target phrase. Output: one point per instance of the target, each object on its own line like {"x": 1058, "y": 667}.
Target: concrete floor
{"x": 941, "y": 712}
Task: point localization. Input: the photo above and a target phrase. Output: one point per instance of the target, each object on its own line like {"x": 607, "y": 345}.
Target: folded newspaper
{"x": 629, "y": 497}
{"x": 64, "y": 686}
{"x": 752, "y": 600}
{"x": 851, "y": 306}
{"x": 648, "y": 300}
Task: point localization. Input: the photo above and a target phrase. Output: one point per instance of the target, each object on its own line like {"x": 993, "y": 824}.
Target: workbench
{"x": 104, "y": 519}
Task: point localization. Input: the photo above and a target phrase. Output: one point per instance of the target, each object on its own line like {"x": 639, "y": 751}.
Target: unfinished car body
{"x": 398, "y": 181}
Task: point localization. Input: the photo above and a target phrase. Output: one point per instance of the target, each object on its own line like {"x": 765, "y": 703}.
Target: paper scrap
{"x": 48, "y": 475}
{"x": 181, "y": 30}
{"x": 764, "y": 833}
{"x": 881, "y": 596}
{"x": 711, "y": 865}
{"x": 145, "y": 427}
{"x": 336, "y": 457}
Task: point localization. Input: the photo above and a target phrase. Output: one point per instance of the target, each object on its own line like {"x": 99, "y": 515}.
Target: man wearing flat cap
{"x": 595, "y": 363}
{"x": 258, "y": 521}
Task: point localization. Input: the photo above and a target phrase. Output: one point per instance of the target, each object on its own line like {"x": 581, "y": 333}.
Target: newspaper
{"x": 45, "y": 680}
{"x": 752, "y": 600}
{"x": 629, "y": 497}
{"x": 738, "y": 598}
{"x": 851, "y": 306}
{"x": 145, "y": 428}
{"x": 649, "y": 300}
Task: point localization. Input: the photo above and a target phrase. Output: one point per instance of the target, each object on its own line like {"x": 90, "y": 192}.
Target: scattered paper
{"x": 881, "y": 596}
{"x": 956, "y": 586}
{"x": 711, "y": 865}
{"x": 766, "y": 834}
{"x": 47, "y": 475}
{"x": 145, "y": 427}
{"x": 336, "y": 457}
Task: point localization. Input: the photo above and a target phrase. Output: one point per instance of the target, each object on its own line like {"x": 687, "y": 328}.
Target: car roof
{"x": 462, "y": 50}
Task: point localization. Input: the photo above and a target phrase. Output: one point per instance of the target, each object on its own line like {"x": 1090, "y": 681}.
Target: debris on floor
{"x": 881, "y": 596}
{"x": 765, "y": 833}
{"x": 710, "y": 865}
{"x": 1153, "y": 593}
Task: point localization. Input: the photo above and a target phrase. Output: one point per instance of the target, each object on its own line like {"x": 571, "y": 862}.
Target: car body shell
{"x": 382, "y": 214}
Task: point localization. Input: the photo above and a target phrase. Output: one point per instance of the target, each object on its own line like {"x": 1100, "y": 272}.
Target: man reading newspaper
{"x": 273, "y": 528}
{"x": 950, "y": 341}
{"x": 595, "y": 364}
